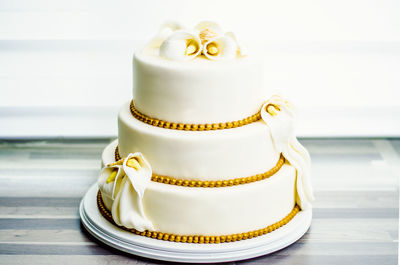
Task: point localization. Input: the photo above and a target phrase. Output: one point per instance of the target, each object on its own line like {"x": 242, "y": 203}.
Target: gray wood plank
{"x": 322, "y": 230}
{"x": 116, "y": 259}
{"x": 356, "y": 199}
{"x": 38, "y": 212}
{"x": 67, "y": 237}
{"x": 279, "y": 259}
{"x": 39, "y": 223}
{"x": 132, "y": 260}
{"x": 359, "y": 213}
{"x": 341, "y": 248}
{"x": 48, "y": 186}
{"x": 352, "y": 230}
{"x": 54, "y": 249}
{"x": 396, "y": 144}
{"x": 40, "y": 201}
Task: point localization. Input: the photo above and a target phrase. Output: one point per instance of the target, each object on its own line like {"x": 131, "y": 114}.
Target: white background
{"x": 65, "y": 66}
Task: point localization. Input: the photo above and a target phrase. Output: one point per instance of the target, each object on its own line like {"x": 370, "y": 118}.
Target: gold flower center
{"x": 191, "y": 47}
{"x": 212, "y": 48}
{"x": 272, "y": 109}
{"x": 133, "y": 163}
{"x": 112, "y": 175}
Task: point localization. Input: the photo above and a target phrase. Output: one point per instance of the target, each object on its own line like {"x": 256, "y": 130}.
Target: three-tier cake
{"x": 202, "y": 156}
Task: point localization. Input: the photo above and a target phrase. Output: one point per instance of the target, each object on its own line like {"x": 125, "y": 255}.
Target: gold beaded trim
{"x": 117, "y": 156}
{"x": 200, "y": 239}
{"x": 213, "y": 183}
{"x": 193, "y": 127}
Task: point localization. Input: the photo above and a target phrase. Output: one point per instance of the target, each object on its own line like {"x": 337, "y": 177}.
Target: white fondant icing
{"x": 217, "y": 211}
{"x": 125, "y": 193}
{"x": 206, "y": 155}
{"x": 197, "y": 91}
{"x": 282, "y": 126}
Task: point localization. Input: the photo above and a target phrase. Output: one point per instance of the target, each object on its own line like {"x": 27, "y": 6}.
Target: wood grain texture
{"x": 355, "y": 218}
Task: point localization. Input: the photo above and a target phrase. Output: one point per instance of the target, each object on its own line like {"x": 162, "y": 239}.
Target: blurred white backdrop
{"x": 65, "y": 66}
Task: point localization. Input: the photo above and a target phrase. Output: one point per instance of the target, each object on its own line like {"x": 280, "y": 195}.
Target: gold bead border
{"x": 199, "y": 239}
{"x": 213, "y": 183}
{"x": 193, "y": 127}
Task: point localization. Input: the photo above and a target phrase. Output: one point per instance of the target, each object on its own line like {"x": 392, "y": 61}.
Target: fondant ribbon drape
{"x": 126, "y": 192}
{"x": 280, "y": 118}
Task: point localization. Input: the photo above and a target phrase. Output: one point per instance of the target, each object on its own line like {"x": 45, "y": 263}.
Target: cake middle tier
{"x": 199, "y": 155}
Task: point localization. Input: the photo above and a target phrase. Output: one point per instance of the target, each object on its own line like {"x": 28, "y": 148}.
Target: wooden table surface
{"x": 355, "y": 215}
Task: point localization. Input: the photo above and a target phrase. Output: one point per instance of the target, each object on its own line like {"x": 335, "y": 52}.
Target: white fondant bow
{"x": 280, "y": 118}
{"x": 126, "y": 189}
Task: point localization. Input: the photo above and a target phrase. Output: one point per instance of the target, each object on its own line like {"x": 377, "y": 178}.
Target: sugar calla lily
{"x": 207, "y": 38}
{"x": 122, "y": 185}
{"x": 279, "y": 116}
{"x": 181, "y": 46}
{"x": 220, "y": 48}
{"x": 109, "y": 181}
{"x": 241, "y": 50}
{"x": 166, "y": 30}
{"x": 208, "y": 30}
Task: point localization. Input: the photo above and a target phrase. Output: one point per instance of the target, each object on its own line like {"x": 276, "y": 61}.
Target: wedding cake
{"x": 202, "y": 155}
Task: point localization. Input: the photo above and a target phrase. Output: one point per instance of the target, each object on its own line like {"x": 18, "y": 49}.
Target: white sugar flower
{"x": 206, "y": 38}
{"x": 122, "y": 185}
{"x": 220, "y": 48}
{"x": 279, "y": 116}
{"x": 181, "y": 46}
{"x": 241, "y": 50}
{"x": 166, "y": 30}
{"x": 208, "y": 30}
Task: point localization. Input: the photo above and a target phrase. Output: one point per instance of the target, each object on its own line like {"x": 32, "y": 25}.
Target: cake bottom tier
{"x": 216, "y": 211}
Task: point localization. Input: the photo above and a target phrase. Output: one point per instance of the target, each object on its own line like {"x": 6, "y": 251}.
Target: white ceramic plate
{"x": 131, "y": 243}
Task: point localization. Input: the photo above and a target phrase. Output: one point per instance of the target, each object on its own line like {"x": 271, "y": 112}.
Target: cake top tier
{"x": 196, "y": 76}
{"x": 206, "y": 40}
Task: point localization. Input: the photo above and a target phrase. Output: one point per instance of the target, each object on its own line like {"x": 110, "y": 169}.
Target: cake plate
{"x": 131, "y": 243}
